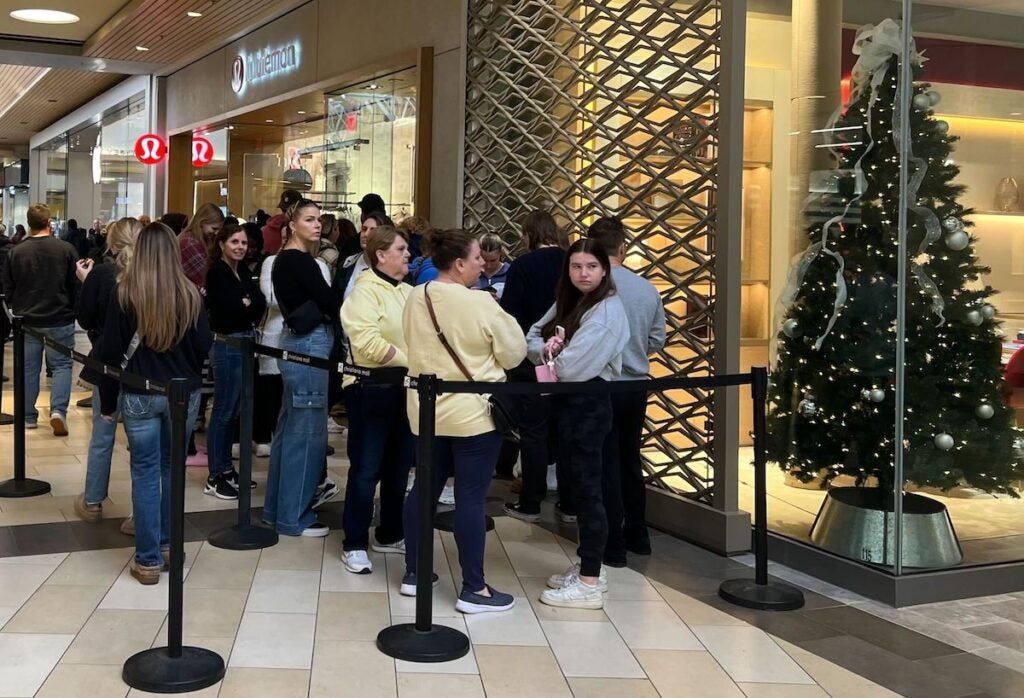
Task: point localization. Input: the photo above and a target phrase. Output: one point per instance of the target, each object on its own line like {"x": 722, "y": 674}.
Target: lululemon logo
{"x": 238, "y": 74}
{"x": 202, "y": 152}
{"x": 150, "y": 149}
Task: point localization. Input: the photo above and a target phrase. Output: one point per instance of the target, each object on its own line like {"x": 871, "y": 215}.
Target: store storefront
{"x": 84, "y": 167}
{"x": 283, "y": 108}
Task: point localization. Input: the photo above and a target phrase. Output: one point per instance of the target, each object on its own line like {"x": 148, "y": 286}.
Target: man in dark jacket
{"x": 40, "y": 284}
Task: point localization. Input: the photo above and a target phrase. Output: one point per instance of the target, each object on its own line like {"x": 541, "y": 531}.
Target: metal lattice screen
{"x": 590, "y": 108}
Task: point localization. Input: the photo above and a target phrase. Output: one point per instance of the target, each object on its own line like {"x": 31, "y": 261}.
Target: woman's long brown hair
{"x": 570, "y": 303}
{"x": 207, "y": 213}
{"x": 154, "y": 286}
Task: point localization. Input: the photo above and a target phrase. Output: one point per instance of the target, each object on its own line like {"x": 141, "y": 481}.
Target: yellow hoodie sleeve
{"x": 362, "y": 316}
{"x": 507, "y": 340}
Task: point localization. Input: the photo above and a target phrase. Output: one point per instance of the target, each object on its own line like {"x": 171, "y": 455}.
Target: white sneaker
{"x": 59, "y": 424}
{"x": 236, "y": 451}
{"x": 357, "y": 561}
{"x": 262, "y": 450}
{"x": 575, "y": 594}
{"x": 316, "y": 530}
{"x": 552, "y": 478}
{"x": 398, "y": 547}
{"x": 333, "y": 427}
{"x": 557, "y": 581}
{"x": 447, "y": 495}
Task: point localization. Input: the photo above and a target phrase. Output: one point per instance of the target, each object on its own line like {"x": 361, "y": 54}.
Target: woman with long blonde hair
{"x": 156, "y": 328}
{"x": 98, "y": 283}
{"x": 196, "y": 239}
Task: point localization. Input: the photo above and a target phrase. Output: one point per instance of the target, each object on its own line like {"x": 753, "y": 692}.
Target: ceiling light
{"x": 374, "y": 86}
{"x": 194, "y": 14}
{"x": 300, "y": 112}
{"x": 141, "y": 48}
{"x": 45, "y": 16}
{"x": 269, "y": 121}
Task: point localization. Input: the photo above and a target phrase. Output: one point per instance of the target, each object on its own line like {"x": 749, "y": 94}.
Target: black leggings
{"x": 583, "y": 422}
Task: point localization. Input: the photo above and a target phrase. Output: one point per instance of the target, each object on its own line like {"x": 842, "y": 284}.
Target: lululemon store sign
{"x": 264, "y": 64}
{"x": 150, "y": 149}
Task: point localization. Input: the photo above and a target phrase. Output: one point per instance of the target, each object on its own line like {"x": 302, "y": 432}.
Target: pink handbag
{"x": 546, "y": 371}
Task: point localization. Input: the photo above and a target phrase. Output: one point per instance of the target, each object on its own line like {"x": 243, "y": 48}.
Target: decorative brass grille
{"x": 590, "y": 108}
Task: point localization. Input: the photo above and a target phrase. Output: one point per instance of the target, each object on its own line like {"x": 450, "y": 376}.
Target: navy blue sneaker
{"x": 408, "y": 587}
{"x": 498, "y": 601}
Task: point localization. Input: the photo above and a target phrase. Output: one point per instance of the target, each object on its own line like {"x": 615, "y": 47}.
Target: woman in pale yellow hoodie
{"x": 380, "y": 445}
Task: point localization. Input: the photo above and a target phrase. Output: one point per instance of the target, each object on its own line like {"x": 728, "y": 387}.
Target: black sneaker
{"x": 470, "y": 602}
{"x": 219, "y": 487}
{"x": 563, "y": 515}
{"x": 516, "y": 511}
{"x": 232, "y": 477}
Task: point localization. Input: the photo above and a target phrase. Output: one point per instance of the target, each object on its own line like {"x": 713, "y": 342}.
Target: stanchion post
{"x": 19, "y": 485}
{"x": 175, "y": 668}
{"x": 5, "y": 418}
{"x": 759, "y": 593}
{"x": 423, "y": 641}
{"x": 245, "y": 535}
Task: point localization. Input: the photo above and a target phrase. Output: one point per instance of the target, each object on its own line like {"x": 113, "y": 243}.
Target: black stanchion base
{"x": 6, "y": 419}
{"x": 23, "y": 488}
{"x": 240, "y": 537}
{"x": 439, "y": 644}
{"x": 445, "y": 521}
{"x": 774, "y": 596}
{"x": 155, "y": 671}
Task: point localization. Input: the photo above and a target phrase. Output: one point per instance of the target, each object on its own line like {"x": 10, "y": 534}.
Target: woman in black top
{"x": 157, "y": 304}
{"x": 309, "y": 308}
{"x": 236, "y": 305}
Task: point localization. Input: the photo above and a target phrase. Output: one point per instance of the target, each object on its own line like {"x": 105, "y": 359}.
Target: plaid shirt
{"x": 193, "y": 260}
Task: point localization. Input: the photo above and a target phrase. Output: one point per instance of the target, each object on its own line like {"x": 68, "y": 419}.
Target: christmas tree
{"x": 832, "y": 394}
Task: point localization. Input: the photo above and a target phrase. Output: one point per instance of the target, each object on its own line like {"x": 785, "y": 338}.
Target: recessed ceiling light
{"x": 141, "y": 48}
{"x": 270, "y": 121}
{"x": 300, "y": 112}
{"x": 45, "y": 16}
{"x": 374, "y": 86}
{"x": 194, "y": 14}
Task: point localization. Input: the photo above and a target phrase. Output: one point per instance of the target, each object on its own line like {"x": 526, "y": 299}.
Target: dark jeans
{"x": 534, "y": 413}
{"x": 625, "y": 495}
{"x": 583, "y": 424}
{"x": 226, "y": 362}
{"x": 380, "y": 449}
{"x": 471, "y": 460}
{"x": 267, "y": 391}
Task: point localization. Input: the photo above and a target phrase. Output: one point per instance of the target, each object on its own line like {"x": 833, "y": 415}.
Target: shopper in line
{"x": 156, "y": 327}
{"x": 584, "y": 335}
{"x": 274, "y": 230}
{"x": 625, "y": 493}
{"x": 348, "y": 238}
{"x": 529, "y": 292}
{"x": 235, "y": 305}
{"x": 175, "y": 221}
{"x": 482, "y": 342}
{"x": 299, "y": 448}
{"x": 195, "y": 241}
{"x": 380, "y": 446}
{"x": 98, "y": 285}
{"x": 495, "y": 271}
{"x": 40, "y": 284}
{"x": 356, "y": 264}
{"x": 328, "y": 252}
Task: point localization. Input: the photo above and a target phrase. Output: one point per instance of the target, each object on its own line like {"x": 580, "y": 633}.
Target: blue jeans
{"x": 226, "y": 362}
{"x": 60, "y": 386}
{"x": 471, "y": 460}
{"x": 147, "y": 421}
{"x": 101, "y": 447}
{"x": 380, "y": 449}
{"x": 299, "y": 447}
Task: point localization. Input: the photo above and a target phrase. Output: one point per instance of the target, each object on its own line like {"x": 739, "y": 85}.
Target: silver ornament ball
{"x": 808, "y": 407}
{"x": 877, "y": 395}
{"x": 934, "y": 97}
{"x": 988, "y": 311}
{"x": 942, "y": 127}
{"x": 1018, "y": 448}
{"x": 974, "y": 318}
{"x": 922, "y": 102}
{"x": 791, "y": 328}
{"x": 958, "y": 241}
{"x": 984, "y": 411}
{"x": 953, "y": 224}
{"x": 944, "y": 442}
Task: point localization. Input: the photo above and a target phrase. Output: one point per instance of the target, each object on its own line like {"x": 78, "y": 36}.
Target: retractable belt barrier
{"x": 174, "y": 668}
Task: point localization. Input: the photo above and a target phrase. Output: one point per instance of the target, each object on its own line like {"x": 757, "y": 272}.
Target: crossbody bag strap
{"x": 130, "y": 351}
{"x": 440, "y": 334}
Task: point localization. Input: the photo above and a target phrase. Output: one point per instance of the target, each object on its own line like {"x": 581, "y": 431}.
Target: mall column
{"x": 175, "y": 669}
{"x": 19, "y": 485}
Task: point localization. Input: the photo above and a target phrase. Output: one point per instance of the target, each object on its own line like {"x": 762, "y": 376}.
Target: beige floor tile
{"x": 26, "y": 660}
{"x": 212, "y": 612}
{"x": 835, "y": 680}
{"x": 222, "y": 569}
{"x": 127, "y": 594}
{"x": 692, "y": 611}
{"x": 533, "y": 586}
{"x": 750, "y": 655}
{"x": 781, "y": 690}
{"x": 536, "y": 560}
{"x": 56, "y": 609}
{"x": 274, "y": 641}
{"x": 518, "y": 626}
{"x": 520, "y": 671}
{"x": 6, "y": 613}
{"x": 51, "y": 560}
{"x": 625, "y": 584}
{"x": 209, "y": 692}
{"x": 651, "y": 625}
{"x": 273, "y": 683}
{"x": 682, "y": 674}
{"x": 110, "y": 637}
{"x": 84, "y": 681}
{"x": 20, "y": 582}
{"x": 593, "y": 650}
{"x": 351, "y": 616}
{"x": 433, "y": 685}
{"x": 293, "y": 553}
{"x": 284, "y": 591}
{"x": 34, "y": 516}
{"x": 91, "y": 568}
{"x": 605, "y": 688}
{"x": 358, "y": 666}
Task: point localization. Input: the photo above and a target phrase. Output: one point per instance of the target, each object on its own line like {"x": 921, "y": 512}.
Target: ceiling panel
{"x": 57, "y": 93}
{"x": 92, "y": 14}
{"x": 1005, "y": 7}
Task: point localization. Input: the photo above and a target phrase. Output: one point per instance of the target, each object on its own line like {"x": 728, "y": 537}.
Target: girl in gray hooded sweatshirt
{"x": 590, "y": 316}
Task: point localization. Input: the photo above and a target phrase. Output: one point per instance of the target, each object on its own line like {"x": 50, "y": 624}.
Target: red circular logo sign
{"x": 202, "y": 151}
{"x": 150, "y": 149}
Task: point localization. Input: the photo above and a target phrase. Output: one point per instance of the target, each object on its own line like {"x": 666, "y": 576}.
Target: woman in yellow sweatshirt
{"x": 487, "y": 341}
{"x": 380, "y": 445}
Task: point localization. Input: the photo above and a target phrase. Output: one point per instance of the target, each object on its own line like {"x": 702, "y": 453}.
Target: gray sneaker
{"x": 497, "y": 602}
